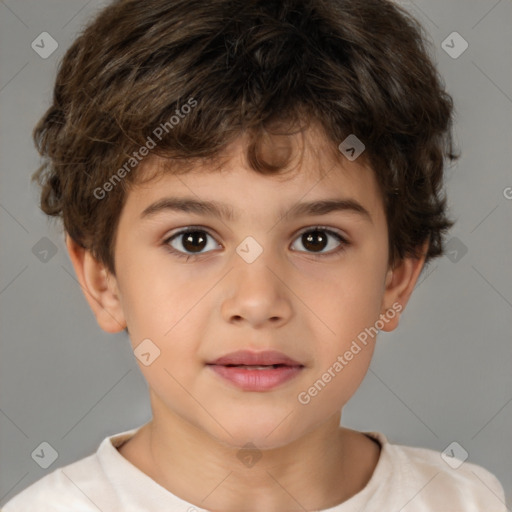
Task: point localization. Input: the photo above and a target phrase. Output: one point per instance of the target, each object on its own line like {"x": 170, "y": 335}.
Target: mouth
{"x": 254, "y": 367}
{"x": 256, "y": 371}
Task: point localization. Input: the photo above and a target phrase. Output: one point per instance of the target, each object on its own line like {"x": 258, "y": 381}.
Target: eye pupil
{"x": 309, "y": 238}
{"x": 188, "y": 241}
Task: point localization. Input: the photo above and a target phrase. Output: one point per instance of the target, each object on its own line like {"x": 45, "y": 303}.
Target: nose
{"x": 257, "y": 294}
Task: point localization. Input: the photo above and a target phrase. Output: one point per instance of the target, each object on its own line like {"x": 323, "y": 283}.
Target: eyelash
{"x": 194, "y": 229}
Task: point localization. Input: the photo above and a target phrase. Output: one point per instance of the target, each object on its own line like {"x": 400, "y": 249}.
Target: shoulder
{"x": 57, "y": 490}
{"x": 430, "y": 480}
{"x": 89, "y": 484}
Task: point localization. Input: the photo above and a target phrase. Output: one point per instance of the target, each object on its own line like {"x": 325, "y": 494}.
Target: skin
{"x": 300, "y": 301}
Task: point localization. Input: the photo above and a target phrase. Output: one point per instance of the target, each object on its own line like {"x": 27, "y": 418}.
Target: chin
{"x": 265, "y": 432}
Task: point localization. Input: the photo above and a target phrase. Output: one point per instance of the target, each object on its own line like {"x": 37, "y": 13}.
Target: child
{"x": 300, "y": 144}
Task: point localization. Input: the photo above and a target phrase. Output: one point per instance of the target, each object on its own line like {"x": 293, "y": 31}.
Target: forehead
{"x": 233, "y": 188}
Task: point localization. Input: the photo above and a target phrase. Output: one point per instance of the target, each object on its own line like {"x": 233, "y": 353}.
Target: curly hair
{"x": 244, "y": 66}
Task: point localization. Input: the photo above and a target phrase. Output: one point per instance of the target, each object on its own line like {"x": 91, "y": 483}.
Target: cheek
{"x": 154, "y": 296}
{"x": 347, "y": 299}
{"x": 348, "y": 303}
{"x": 165, "y": 307}
{"x": 344, "y": 351}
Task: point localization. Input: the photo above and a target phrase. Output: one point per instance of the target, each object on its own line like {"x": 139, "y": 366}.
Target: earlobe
{"x": 399, "y": 285}
{"x": 99, "y": 287}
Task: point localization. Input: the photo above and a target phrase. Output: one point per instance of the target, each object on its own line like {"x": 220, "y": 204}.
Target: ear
{"x": 99, "y": 287}
{"x": 399, "y": 285}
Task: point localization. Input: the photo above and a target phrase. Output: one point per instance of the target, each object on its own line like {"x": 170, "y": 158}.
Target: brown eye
{"x": 193, "y": 241}
{"x": 190, "y": 242}
{"x": 314, "y": 240}
{"x": 317, "y": 239}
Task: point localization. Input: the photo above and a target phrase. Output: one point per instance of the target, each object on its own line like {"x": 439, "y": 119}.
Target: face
{"x": 267, "y": 277}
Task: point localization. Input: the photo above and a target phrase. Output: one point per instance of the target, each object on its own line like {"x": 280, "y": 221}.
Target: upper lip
{"x": 246, "y": 357}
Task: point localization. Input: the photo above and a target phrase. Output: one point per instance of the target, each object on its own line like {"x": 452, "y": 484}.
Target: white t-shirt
{"x": 406, "y": 479}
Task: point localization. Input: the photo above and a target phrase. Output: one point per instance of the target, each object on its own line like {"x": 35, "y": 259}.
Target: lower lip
{"x": 256, "y": 380}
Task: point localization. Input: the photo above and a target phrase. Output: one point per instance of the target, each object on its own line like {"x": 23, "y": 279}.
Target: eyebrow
{"x": 225, "y": 211}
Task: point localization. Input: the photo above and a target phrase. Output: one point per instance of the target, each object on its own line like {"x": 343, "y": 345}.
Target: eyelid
{"x": 185, "y": 229}
{"x": 319, "y": 227}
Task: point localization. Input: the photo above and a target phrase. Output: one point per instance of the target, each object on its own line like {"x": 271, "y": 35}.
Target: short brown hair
{"x": 354, "y": 66}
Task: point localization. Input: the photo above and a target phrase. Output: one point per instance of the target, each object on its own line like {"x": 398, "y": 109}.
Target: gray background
{"x": 443, "y": 376}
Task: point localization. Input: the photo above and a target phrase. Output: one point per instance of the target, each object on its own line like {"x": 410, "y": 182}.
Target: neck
{"x": 321, "y": 469}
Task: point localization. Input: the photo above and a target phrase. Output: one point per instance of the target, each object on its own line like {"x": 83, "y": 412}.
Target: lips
{"x": 247, "y": 358}
{"x": 256, "y": 371}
